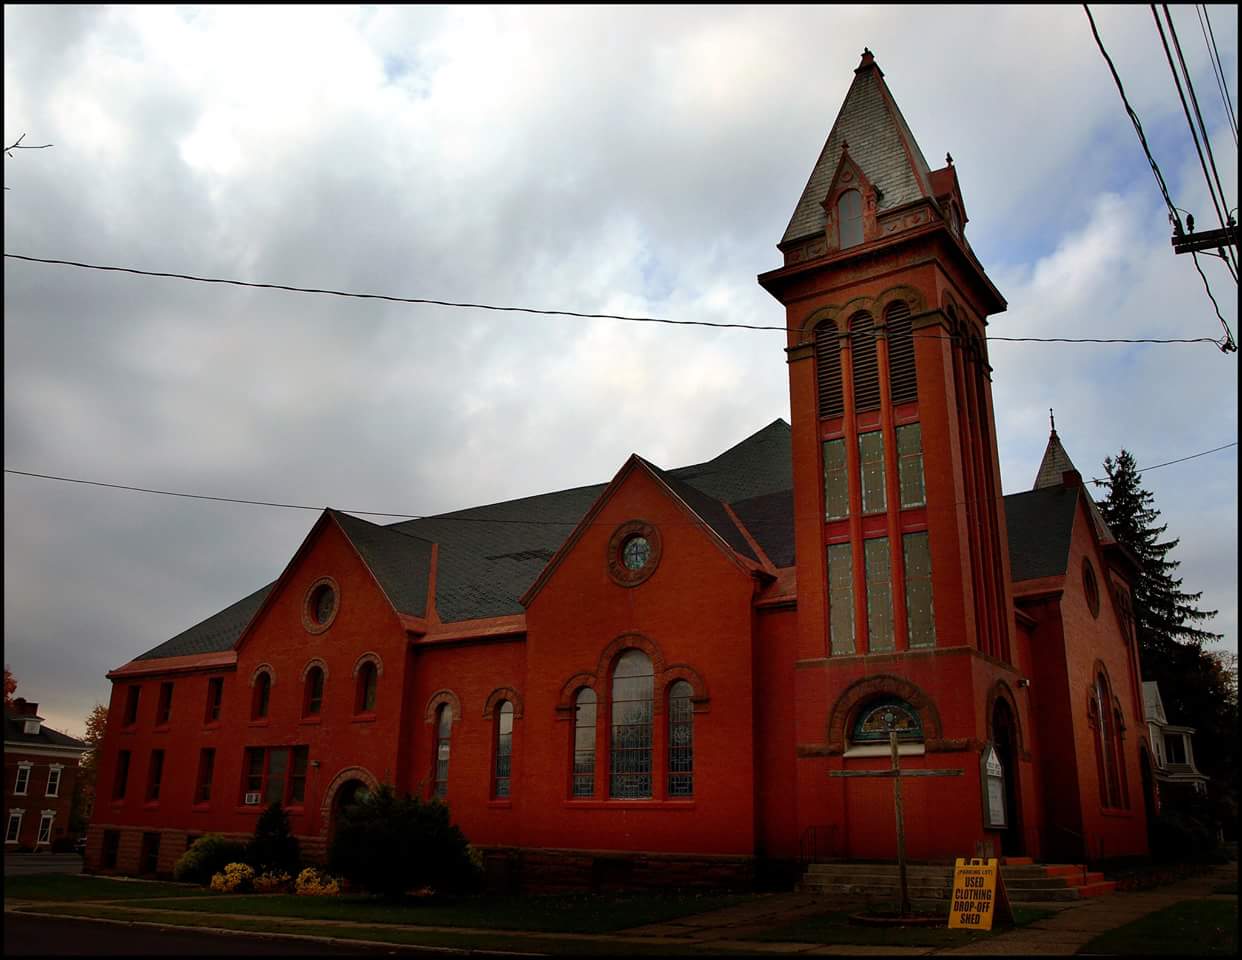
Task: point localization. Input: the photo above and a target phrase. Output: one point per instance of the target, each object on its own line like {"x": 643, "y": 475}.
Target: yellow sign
{"x": 974, "y": 895}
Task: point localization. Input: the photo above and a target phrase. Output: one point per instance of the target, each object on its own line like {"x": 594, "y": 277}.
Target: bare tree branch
{"x": 18, "y": 145}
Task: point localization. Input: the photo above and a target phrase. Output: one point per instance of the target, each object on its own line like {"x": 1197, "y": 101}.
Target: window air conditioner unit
{"x": 252, "y": 799}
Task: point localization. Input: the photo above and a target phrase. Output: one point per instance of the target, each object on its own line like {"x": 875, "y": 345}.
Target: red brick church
{"x": 652, "y": 679}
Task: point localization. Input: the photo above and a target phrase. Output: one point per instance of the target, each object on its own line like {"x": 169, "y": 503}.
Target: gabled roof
{"x": 399, "y": 561}
{"x": 15, "y": 732}
{"x": 880, "y": 143}
{"x": 490, "y": 555}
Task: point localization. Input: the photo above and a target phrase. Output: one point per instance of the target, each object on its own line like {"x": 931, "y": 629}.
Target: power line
{"x": 413, "y": 516}
{"x": 561, "y": 313}
{"x": 1228, "y": 346}
{"x": 1138, "y": 127}
{"x": 1098, "y": 480}
{"x": 1194, "y": 135}
{"x": 1218, "y": 72}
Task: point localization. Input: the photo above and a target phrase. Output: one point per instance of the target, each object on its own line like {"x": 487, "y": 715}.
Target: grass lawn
{"x": 384, "y": 934}
{"x": 835, "y": 928}
{"x": 68, "y": 887}
{"x": 571, "y": 913}
{"x": 1205, "y": 928}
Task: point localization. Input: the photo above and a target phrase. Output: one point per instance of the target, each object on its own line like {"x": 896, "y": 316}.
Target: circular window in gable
{"x": 633, "y": 553}
{"x": 1090, "y": 588}
{"x": 321, "y": 606}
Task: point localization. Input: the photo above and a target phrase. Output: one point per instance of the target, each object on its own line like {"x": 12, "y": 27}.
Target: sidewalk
{"x": 1072, "y": 929}
{"x": 727, "y": 929}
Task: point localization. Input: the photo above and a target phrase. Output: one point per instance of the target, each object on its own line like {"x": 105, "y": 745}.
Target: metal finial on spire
{"x": 1052, "y": 420}
{"x": 948, "y": 158}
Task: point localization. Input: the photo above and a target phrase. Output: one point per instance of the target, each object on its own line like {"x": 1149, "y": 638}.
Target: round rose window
{"x": 322, "y": 604}
{"x": 636, "y": 553}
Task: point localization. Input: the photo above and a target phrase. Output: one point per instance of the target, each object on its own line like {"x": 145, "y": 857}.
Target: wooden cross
{"x": 896, "y": 774}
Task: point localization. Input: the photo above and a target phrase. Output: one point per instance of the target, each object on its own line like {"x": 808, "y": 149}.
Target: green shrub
{"x": 1180, "y": 838}
{"x": 208, "y": 855}
{"x": 273, "y": 848}
{"x": 388, "y": 844}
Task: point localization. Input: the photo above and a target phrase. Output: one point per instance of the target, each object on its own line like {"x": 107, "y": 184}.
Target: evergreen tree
{"x": 1163, "y": 613}
{"x": 1198, "y": 686}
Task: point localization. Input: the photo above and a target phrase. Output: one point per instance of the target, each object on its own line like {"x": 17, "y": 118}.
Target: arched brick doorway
{"x": 347, "y": 788}
{"x": 1005, "y": 739}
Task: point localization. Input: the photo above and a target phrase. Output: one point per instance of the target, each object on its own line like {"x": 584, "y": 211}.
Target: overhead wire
{"x": 1212, "y": 185}
{"x": 449, "y": 517}
{"x": 1218, "y": 72}
{"x": 289, "y": 288}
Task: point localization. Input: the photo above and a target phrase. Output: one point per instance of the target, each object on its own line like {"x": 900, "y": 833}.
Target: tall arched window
{"x": 828, "y": 369}
{"x": 503, "y": 768}
{"x": 849, "y": 217}
{"x": 368, "y": 682}
{"x": 903, "y": 383}
{"x": 313, "y": 701}
{"x": 584, "y": 744}
{"x": 866, "y": 373}
{"x": 262, "y": 696}
{"x": 680, "y": 740}
{"x": 444, "y": 730}
{"x": 632, "y": 701}
{"x": 1107, "y": 744}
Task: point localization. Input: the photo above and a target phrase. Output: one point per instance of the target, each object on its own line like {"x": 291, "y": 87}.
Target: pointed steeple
{"x": 1052, "y": 470}
{"x": 880, "y": 143}
{"x": 1056, "y": 461}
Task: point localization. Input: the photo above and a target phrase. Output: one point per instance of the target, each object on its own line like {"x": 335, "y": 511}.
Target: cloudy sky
{"x": 635, "y": 161}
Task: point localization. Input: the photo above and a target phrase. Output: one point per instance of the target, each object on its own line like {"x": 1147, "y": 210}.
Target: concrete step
{"x": 1036, "y": 883}
{"x": 1042, "y": 894}
{"x": 1016, "y": 861}
{"x": 1097, "y": 888}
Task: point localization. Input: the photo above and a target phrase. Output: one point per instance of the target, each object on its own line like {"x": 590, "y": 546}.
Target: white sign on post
{"x": 995, "y": 814}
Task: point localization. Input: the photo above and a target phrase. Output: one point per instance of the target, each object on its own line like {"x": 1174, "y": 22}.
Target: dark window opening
{"x": 131, "y": 705}
{"x": 163, "y": 711}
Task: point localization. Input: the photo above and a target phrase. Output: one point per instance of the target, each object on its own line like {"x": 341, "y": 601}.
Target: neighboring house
{"x": 652, "y": 681}
{"x": 1175, "y": 770}
{"x": 40, "y": 771}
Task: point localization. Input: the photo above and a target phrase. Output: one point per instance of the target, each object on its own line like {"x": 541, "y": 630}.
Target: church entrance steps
{"x": 933, "y": 883}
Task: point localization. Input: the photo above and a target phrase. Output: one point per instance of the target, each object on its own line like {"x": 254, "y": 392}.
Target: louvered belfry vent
{"x": 866, "y": 373}
{"x": 903, "y": 384}
{"x": 828, "y": 370}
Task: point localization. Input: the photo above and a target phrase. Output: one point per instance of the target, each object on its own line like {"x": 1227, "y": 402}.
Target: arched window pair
{"x": 631, "y": 767}
{"x": 365, "y": 689}
{"x": 1109, "y": 755}
{"x": 502, "y": 750}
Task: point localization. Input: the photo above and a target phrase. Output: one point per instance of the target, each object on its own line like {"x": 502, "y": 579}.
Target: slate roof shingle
{"x": 490, "y": 555}
{"x": 1040, "y": 523}
{"x": 871, "y": 123}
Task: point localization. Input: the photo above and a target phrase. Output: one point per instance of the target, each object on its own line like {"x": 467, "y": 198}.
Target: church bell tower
{"x": 902, "y": 558}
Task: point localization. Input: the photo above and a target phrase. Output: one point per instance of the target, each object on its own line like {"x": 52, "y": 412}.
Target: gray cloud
{"x": 605, "y": 160}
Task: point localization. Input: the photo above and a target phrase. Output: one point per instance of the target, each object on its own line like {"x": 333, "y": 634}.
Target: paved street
{"x": 59, "y": 937}
{"x": 22, "y": 864}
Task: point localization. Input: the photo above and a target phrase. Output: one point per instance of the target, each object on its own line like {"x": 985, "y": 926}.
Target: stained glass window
{"x": 680, "y": 740}
{"x": 878, "y": 717}
{"x": 836, "y": 482}
{"x": 444, "y": 730}
{"x": 910, "y": 464}
{"x": 584, "y": 744}
{"x": 632, "y": 709}
{"x": 879, "y": 595}
{"x": 504, "y": 749}
{"x": 841, "y": 598}
{"x": 636, "y": 553}
{"x": 322, "y": 604}
{"x": 871, "y": 463}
